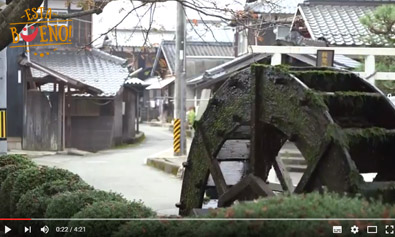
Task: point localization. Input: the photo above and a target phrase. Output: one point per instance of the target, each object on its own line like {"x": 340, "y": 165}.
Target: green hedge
{"x": 31, "y": 178}
{"x": 5, "y": 191}
{"x": 153, "y": 228}
{"x": 67, "y": 204}
{"x": 34, "y": 202}
{"x": 15, "y": 160}
{"x": 108, "y": 210}
{"x": 312, "y": 205}
{"x": 11, "y": 163}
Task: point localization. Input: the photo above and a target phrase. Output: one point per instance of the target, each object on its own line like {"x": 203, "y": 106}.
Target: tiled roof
{"x": 339, "y": 24}
{"x": 277, "y": 6}
{"x": 202, "y": 49}
{"x": 223, "y": 71}
{"x": 94, "y": 68}
{"x": 350, "y": 1}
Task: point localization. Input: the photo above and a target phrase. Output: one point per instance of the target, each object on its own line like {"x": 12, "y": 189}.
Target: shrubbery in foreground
{"x": 313, "y": 205}
{"x": 28, "y": 190}
{"x": 55, "y": 193}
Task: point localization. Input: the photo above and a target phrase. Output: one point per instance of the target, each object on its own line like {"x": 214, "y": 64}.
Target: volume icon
{"x": 45, "y": 229}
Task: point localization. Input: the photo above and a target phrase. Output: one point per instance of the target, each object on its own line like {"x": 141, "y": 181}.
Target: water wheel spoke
{"x": 283, "y": 175}
{"x": 250, "y": 187}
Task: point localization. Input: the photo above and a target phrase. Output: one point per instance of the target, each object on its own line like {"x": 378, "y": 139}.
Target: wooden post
{"x": 137, "y": 111}
{"x": 61, "y": 104}
{"x": 276, "y": 59}
{"x": 68, "y": 117}
{"x": 370, "y": 68}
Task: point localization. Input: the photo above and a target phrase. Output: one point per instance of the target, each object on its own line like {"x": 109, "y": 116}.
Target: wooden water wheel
{"x": 342, "y": 125}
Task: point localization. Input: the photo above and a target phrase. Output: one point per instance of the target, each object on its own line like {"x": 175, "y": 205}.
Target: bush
{"x": 6, "y": 188}
{"x": 34, "y": 202}
{"x": 108, "y": 210}
{"x": 66, "y": 205}
{"x": 312, "y": 205}
{"x": 31, "y": 178}
{"x": 11, "y": 163}
{"x": 151, "y": 228}
{"x": 15, "y": 160}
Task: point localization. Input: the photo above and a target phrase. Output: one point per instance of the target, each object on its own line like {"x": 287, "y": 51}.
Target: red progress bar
{"x": 15, "y": 219}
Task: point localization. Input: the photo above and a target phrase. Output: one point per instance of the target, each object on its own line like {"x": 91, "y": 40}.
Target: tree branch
{"x": 12, "y": 14}
{"x": 78, "y": 14}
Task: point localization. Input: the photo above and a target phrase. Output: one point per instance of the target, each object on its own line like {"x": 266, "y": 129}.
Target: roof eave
{"x": 61, "y": 77}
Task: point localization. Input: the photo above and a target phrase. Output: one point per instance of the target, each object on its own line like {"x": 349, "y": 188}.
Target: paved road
{"x": 124, "y": 171}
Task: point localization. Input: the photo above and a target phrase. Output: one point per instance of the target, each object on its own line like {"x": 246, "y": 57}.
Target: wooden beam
{"x": 215, "y": 169}
{"x": 358, "y": 51}
{"x": 242, "y": 191}
{"x": 61, "y": 104}
{"x": 283, "y": 175}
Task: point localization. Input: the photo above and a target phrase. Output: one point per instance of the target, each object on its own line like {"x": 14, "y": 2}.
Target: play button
{"x": 6, "y": 229}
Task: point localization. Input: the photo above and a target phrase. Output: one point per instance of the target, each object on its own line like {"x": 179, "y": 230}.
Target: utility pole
{"x": 180, "y": 90}
{"x": 3, "y": 101}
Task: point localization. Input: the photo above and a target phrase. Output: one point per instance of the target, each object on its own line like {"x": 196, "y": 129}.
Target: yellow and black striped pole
{"x": 3, "y": 125}
{"x": 177, "y": 136}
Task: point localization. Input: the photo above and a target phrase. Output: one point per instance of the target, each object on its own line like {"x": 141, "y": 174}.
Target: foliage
{"x": 383, "y": 64}
{"x": 381, "y": 22}
{"x": 5, "y": 191}
{"x": 34, "y": 202}
{"x": 15, "y": 160}
{"x": 11, "y": 163}
{"x": 31, "y": 178}
{"x": 151, "y": 228}
{"x": 67, "y": 204}
{"x": 387, "y": 87}
{"x": 313, "y": 205}
{"x": 112, "y": 209}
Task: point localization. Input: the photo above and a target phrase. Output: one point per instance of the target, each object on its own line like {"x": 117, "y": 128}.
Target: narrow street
{"x": 124, "y": 171}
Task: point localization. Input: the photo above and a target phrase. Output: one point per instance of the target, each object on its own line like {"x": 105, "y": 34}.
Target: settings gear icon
{"x": 354, "y": 229}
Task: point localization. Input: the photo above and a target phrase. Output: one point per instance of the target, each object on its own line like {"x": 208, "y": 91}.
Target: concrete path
{"x": 125, "y": 171}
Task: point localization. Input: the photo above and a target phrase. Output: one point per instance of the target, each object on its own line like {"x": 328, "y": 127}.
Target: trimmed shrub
{"x": 108, "y": 210}
{"x": 150, "y": 228}
{"x": 31, "y": 178}
{"x": 34, "y": 202}
{"x": 15, "y": 160}
{"x": 11, "y": 163}
{"x": 66, "y": 205}
{"x": 312, "y": 205}
{"x": 6, "y": 188}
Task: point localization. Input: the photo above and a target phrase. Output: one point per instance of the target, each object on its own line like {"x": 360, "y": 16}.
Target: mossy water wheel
{"x": 342, "y": 125}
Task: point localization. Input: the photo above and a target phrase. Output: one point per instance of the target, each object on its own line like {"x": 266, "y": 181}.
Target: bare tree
{"x": 13, "y": 12}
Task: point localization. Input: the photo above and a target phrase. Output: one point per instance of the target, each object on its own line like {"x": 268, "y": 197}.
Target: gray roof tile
{"x": 219, "y": 49}
{"x": 95, "y": 68}
{"x": 339, "y": 24}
